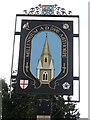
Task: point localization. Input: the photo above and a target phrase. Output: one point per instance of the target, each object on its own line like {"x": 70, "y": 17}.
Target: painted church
{"x": 45, "y": 68}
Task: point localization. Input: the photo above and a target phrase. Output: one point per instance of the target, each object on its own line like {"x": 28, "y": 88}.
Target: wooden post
{"x": 43, "y": 109}
{"x": 43, "y": 117}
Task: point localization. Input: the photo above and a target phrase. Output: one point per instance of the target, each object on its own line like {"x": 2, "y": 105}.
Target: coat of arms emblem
{"x": 23, "y": 84}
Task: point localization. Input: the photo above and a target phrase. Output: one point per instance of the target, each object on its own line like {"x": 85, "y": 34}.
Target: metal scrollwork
{"x": 47, "y": 10}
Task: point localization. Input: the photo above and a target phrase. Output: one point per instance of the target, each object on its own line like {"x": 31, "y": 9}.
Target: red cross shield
{"x": 44, "y": 7}
{"x": 23, "y": 84}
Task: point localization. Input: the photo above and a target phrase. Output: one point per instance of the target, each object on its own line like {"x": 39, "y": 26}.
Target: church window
{"x": 45, "y": 59}
{"x": 45, "y": 75}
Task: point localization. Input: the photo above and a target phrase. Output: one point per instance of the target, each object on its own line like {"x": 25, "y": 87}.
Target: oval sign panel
{"x": 53, "y": 48}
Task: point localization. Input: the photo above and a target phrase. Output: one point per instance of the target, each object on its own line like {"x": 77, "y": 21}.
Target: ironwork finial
{"x": 47, "y": 10}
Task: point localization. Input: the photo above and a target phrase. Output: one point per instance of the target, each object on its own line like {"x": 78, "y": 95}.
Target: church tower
{"x": 45, "y": 68}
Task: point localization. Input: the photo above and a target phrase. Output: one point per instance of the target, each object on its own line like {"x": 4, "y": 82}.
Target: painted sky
{"x": 54, "y": 42}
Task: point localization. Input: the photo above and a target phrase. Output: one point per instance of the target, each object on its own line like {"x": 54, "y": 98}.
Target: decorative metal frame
{"x": 54, "y": 11}
{"x": 42, "y": 10}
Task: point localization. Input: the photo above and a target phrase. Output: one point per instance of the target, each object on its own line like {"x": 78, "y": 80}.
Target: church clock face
{"x": 45, "y": 59}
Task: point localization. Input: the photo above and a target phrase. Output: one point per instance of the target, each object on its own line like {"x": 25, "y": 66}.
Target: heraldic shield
{"x": 23, "y": 84}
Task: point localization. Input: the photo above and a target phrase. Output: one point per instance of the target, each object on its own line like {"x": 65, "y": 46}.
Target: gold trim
{"x": 30, "y": 53}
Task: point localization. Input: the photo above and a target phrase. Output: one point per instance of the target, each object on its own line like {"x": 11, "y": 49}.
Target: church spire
{"x": 46, "y": 50}
{"x": 45, "y": 69}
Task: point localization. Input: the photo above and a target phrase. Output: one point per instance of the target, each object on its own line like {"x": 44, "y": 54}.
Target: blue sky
{"x": 55, "y": 49}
